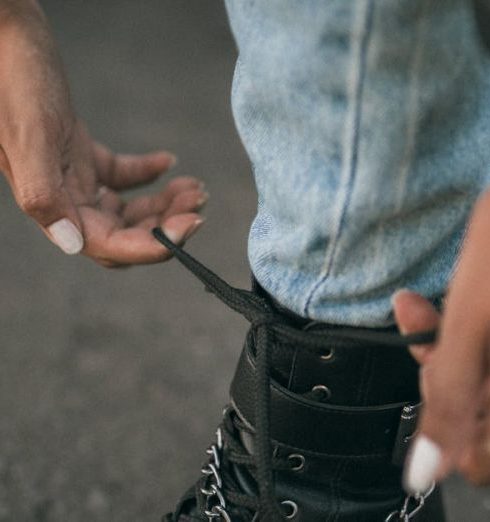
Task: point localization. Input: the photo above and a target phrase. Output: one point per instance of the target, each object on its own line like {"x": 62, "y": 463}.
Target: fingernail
{"x": 180, "y": 236}
{"x": 423, "y": 464}
{"x": 173, "y": 160}
{"x": 67, "y": 236}
{"x": 174, "y": 235}
{"x": 197, "y": 224}
{"x": 397, "y": 293}
{"x": 203, "y": 199}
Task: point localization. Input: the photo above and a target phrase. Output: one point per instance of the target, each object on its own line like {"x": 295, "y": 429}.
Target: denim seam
{"x": 412, "y": 108}
{"x": 354, "y": 154}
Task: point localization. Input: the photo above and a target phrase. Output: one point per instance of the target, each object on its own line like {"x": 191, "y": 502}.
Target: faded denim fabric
{"x": 367, "y": 123}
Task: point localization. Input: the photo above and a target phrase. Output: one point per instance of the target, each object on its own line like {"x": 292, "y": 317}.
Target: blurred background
{"x": 112, "y": 382}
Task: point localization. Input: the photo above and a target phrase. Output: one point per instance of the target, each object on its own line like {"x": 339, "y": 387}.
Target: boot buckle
{"x": 406, "y": 432}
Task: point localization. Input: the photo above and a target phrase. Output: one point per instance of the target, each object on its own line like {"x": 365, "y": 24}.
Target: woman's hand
{"x": 59, "y": 176}
{"x": 454, "y": 431}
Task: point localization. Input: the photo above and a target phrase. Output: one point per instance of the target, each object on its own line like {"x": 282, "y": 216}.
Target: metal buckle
{"x": 405, "y": 432}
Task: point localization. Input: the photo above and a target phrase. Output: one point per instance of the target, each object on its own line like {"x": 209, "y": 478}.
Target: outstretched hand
{"x": 59, "y": 176}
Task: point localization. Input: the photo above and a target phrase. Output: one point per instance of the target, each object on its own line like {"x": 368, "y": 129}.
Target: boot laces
{"x": 217, "y": 493}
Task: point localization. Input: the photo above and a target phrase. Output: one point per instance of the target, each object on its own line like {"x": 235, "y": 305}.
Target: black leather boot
{"x": 318, "y": 425}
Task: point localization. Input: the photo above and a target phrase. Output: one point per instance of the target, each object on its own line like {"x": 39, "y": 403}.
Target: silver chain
{"x": 215, "y": 501}
{"x": 404, "y": 514}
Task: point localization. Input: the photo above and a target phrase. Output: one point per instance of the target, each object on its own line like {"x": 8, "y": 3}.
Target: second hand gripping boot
{"x": 318, "y": 425}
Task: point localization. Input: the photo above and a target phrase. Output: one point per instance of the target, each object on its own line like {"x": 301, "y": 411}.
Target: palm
{"x": 117, "y": 232}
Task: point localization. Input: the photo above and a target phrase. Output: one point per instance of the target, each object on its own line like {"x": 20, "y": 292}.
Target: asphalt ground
{"x": 112, "y": 382}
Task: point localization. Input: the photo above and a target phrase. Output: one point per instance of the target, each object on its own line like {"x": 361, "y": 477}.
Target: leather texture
{"x": 319, "y": 427}
{"x": 348, "y": 474}
{"x": 340, "y": 443}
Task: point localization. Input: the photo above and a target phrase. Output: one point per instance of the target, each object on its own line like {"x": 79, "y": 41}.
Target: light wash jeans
{"x": 367, "y": 123}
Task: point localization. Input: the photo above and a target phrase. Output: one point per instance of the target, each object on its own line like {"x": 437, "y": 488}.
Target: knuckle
{"x": 36, "y": 203}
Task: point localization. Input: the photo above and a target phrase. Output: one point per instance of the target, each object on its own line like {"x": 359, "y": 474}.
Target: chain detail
{"x": 404, "y": 514}
{"x": 215, "y": 501}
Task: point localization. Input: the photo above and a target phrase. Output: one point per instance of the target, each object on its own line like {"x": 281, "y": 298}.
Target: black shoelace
{"x": 267, "y": 325}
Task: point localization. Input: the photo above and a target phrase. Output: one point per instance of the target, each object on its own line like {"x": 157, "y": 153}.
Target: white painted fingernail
{"x": 174, "y": 235}
{"x": 203, "y": 199}
{"x": 424, "y": 461}
{"x": 178, "y": 237}
{"x": 194, "y": 227}
{"x": 173, "y": 160}
{"x": 67, "y": 236}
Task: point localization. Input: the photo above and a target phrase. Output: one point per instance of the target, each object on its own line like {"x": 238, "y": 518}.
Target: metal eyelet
{"x": 327, "y": 355}
{"x": 293, "y": 509}
{"x": 296, "y": 461}
{"x": 322, "y": 390}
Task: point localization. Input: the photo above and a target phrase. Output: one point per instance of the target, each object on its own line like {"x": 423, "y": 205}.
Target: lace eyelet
{"x": 296, "y": 461}
{"x": 323, "y": 392}
{"x": 327, "y": 355}
{"x": 292, "y": 508}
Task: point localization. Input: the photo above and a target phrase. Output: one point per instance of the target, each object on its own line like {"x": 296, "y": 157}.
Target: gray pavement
{"x": 112, "y": 382}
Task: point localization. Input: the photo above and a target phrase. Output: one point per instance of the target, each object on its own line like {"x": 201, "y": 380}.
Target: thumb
{"x": 458, "y": 368}
{"x": 414, "y": 313}
{"x": 40, "y": 193}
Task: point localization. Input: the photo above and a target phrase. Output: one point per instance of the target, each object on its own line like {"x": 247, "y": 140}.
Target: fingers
{"x": 474, "y": 463}
{"x": 414, "y": 313}
{"x": 37, "y": 185}
{"x": 449, "y": 417}
{"x": 191, "y": 200}
{"x": 112, "y": 245}
{"x": 188, "y": 191}
{"x": 122, "y": 171}
{"x": 458, "y": 366}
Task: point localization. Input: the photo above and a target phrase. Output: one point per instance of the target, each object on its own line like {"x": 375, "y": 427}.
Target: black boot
{"x": 318, "y": 426}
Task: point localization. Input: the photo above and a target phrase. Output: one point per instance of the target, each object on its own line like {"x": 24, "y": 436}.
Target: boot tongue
{"x": 247, "y": 440}
{"x": 243, "y": 477}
